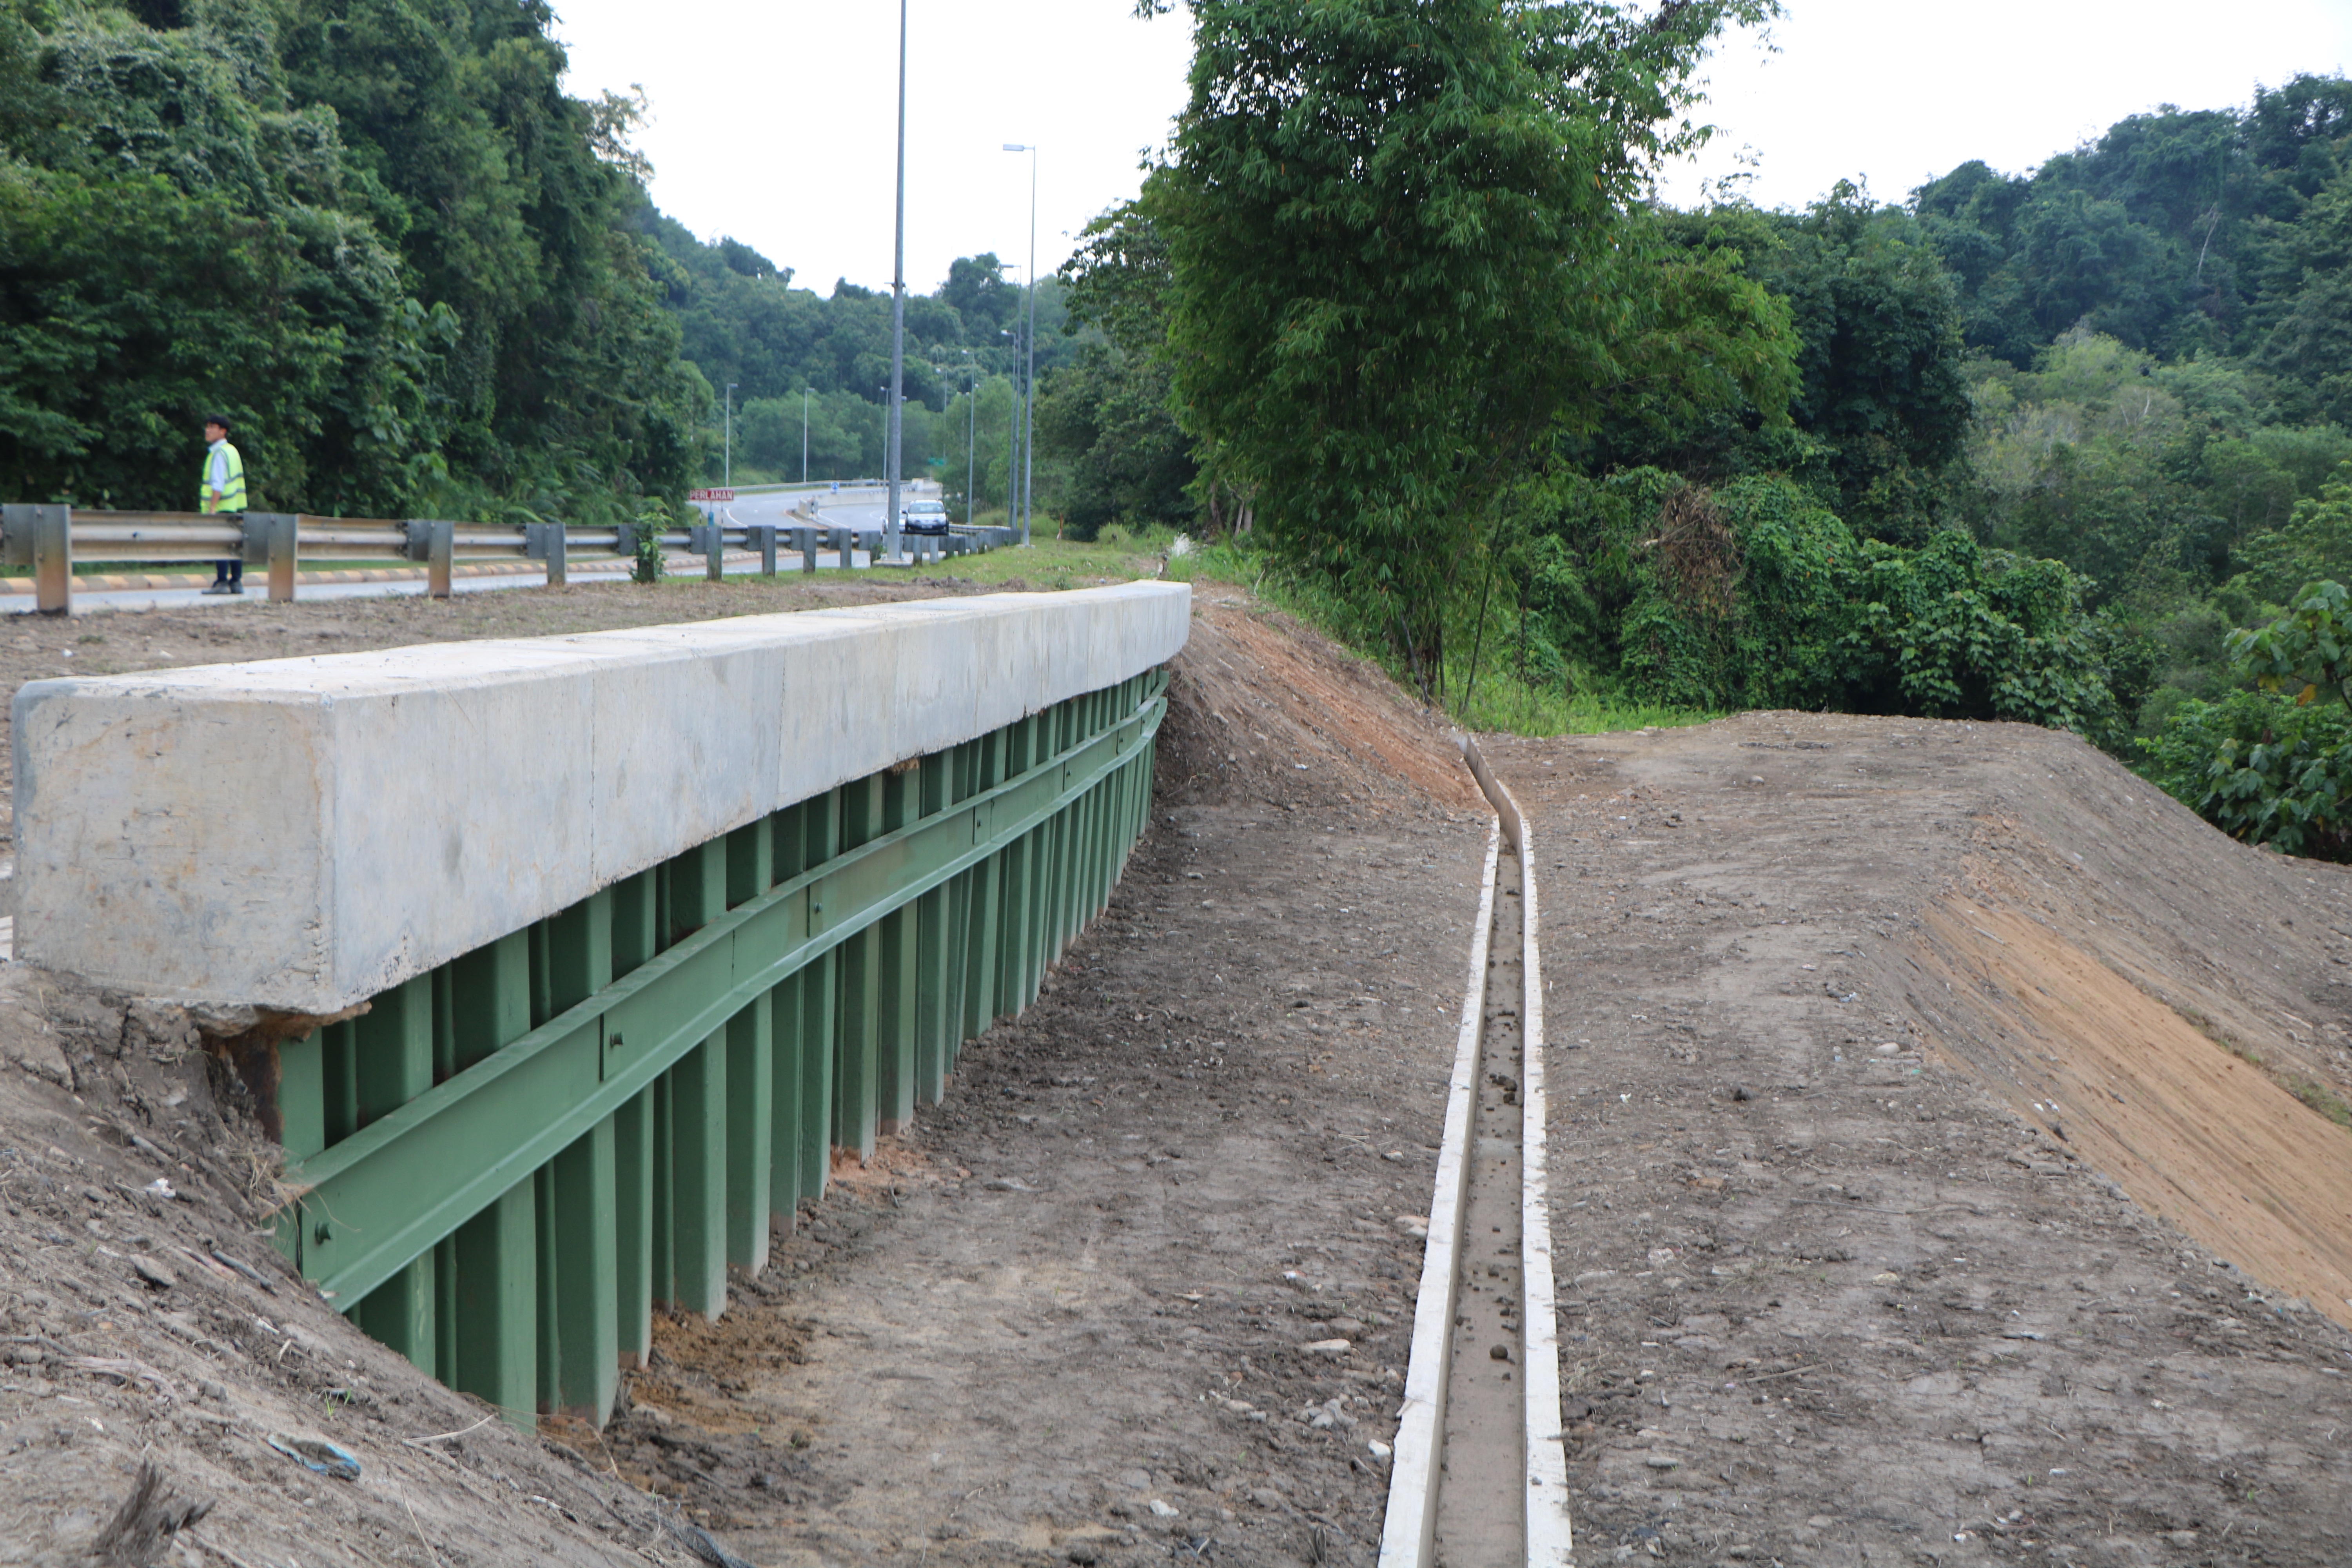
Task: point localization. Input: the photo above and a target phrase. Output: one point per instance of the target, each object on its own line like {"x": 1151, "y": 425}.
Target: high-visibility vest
{"x": 233, "y": 493}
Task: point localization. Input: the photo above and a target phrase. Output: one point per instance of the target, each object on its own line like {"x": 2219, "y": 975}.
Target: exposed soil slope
{"x": 1265, "y": 709}
{"x": 144, "y": 1319}
{"x": 1866, "y": 1035}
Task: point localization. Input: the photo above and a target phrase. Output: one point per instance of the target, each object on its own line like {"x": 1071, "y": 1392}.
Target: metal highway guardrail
{"x": 50, "y": 539}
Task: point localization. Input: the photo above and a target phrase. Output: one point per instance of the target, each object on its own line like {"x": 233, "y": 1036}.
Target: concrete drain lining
{"x": 1449, "y": 1359}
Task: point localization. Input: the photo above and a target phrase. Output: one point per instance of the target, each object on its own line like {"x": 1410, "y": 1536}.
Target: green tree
{"x": 1107, "y": 416}
{"x": 1394, "y": 229}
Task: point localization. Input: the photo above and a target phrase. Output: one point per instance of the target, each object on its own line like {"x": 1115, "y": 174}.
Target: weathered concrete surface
{"x": 301, "y": 833}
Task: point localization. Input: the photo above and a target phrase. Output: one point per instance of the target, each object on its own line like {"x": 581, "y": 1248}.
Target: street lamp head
{"x": 1017, "y": 147}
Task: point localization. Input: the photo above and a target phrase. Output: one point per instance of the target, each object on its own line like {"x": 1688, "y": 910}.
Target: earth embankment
{"x": 1947, "y": 1168}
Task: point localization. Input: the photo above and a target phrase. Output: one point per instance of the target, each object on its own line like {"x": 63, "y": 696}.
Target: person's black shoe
{"x": 222, "y": 587}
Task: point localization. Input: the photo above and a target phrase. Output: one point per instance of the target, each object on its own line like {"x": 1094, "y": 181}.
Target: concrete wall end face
{"x": 154, "y": 832}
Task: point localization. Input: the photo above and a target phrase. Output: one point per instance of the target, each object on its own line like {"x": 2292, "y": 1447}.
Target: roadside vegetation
{"x": 1396, "y": 332}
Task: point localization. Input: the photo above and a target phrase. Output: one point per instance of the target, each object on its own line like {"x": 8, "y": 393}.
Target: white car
{"x": 923, "y": 517}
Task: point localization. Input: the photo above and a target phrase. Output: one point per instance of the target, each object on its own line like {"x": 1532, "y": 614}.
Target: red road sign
{"x": 710, "y": 495}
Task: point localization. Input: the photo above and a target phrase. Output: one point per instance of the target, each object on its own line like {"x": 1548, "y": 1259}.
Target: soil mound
{"x": 2161, "y": 1001}
{"x": 1264, "y": 710}
{"x": 1945, "y": 1165}
{"x": 2166, "y": 1002}
{"x": 167, "y": 1383}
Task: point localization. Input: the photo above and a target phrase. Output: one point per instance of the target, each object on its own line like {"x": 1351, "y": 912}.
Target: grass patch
{"x": 1500, "y": 699}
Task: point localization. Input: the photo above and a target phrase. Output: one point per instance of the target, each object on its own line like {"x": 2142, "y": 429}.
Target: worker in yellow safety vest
{"x": 221, "y": 489}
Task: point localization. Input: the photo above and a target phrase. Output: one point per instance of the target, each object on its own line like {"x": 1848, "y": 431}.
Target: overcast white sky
{"x": 774, "y": 122}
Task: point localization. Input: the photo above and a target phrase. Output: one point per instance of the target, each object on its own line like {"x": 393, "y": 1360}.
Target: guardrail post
{"x": 41, "y": 537}
{"x": 764, "y": 540}
{"x": 271, "y": 543}
{"x": 844, "y": 542}
{"x": 544, "y": 542}
{"x": 433, "y": 542}
{"x": 713, "y": 541}
{"x": 804, "y": 541}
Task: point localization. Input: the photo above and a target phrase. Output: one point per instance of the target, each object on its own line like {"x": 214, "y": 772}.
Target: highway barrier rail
{"x": 542, "y": 1057}
{"x": 50, "y": 539}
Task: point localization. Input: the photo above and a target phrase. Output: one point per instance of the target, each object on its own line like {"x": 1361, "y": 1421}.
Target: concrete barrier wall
{"x": 302, "y": 834}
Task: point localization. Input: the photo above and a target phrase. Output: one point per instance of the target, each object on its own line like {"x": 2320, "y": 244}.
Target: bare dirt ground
{"x": 1065, "y": 1322}
{"x": 1878, "y": 1049}
{"x": 1943, "y": 1171}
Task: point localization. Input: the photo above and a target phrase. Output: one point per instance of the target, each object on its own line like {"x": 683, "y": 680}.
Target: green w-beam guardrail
{"x": 500, "y": 1166}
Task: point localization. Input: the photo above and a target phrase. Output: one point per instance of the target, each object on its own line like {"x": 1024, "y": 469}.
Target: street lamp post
{"x": 1029, "y": 408}
{"x": 897, "y": 303}
{"x": 1013, "y": 429}
{"x": 804, "y": 397}
{"x": 971, "y": 437}
{"x": 727, "y": 461}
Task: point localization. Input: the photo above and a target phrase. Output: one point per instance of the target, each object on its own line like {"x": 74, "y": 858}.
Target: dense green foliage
{"x": 2264, "y": 769}
{"x": 2025, "y": 447}
{"x": 1756, "y": 597}
{"x": 1400, "y": 258}
{"x": 375, "y": 232}
{"x": 1396, "y": 321}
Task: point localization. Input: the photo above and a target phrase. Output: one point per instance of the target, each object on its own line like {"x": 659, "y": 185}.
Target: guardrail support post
{"x": 433, "y": 542}
{"x": 544, "y": 542}
{"x": 698, "y": 1104}
{"x": 714, "y": 552}
{"x": 496, "y": 1252}
{"x": 270, "y": 543}
{"x": 933, "y": 1008}
{"x": 579, "y": 1348}
{"x": 751, "y": 1066}
{"x": 764, "y": 540}
{"x": 41, "y": 537}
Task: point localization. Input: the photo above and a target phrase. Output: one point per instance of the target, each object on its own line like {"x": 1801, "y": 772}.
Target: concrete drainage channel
{"x": 1480, "y": 1478}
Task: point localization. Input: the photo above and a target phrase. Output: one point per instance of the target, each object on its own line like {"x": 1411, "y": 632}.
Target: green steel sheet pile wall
{"x": 503, "y": 1164}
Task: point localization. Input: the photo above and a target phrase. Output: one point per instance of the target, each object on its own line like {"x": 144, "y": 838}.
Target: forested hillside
{"x": 1397, "y": 323}
{"x": 376, "y": 232}
{"x": 2064, "y": 445}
